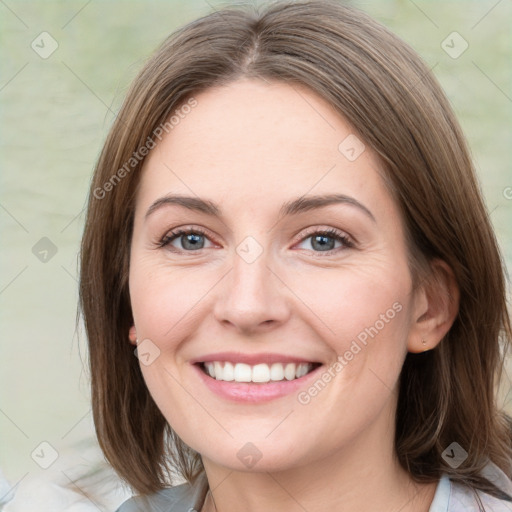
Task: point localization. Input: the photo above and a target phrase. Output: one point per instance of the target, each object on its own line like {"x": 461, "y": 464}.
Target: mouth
{"x": 256, "y": 374}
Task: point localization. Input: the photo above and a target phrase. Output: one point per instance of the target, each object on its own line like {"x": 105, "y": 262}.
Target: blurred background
{"x": 65, "y": 67}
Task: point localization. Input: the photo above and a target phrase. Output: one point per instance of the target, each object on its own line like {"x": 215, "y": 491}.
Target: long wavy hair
{"x": 396, "y": 106}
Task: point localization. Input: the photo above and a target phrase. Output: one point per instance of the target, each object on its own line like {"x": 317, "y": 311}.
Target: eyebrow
{"x": 299, "y": 205}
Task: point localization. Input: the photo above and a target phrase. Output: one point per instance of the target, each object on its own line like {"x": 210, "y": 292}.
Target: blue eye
{"x": 325, "y": 241}
{"x": 194, "y": 240}
{"x": 191, "y": 240}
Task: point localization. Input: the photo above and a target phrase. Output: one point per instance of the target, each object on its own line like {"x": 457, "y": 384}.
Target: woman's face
{"x": 293, "y": 253}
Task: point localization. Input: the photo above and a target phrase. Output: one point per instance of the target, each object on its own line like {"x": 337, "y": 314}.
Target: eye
{"x": 326, "y": 240}
{"x": 189, "y": 239}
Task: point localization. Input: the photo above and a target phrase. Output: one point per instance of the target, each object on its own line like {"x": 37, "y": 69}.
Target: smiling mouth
{"x": 258, "y": 373}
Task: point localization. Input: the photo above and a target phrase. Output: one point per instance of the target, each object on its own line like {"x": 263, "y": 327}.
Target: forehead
{"x": 252, "y": 139}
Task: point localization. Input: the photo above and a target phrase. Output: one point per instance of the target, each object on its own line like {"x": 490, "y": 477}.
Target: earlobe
{"x": 437, "y": 306}
{"x": 132, "y": 335}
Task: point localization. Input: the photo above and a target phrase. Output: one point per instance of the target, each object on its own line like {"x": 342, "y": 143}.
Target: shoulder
{"x": 453, "y": 497}
{"x": 181, "y": 498}
{"x": 463, "y": 499}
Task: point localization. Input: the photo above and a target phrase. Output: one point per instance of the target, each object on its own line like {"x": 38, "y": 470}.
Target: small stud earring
{"x": 132, "y": 335}
{"x": 424, "y": 342}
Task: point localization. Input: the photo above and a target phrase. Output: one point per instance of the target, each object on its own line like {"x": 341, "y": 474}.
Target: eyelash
{"x": 329, "y": 233}
{"x": 172, "y": 235}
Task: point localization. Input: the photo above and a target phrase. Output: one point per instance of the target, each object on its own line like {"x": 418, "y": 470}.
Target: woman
{"x": 285, "y": 222}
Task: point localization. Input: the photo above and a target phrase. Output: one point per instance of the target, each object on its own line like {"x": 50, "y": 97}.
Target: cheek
{"x": 163, "y": 304}
{"x": 364, "y": 318}
{"x": 164, "y": 300}
{"x": 363, "y": 315}
{"x": 357, "y": 303}
{"x": 357, "y": 313}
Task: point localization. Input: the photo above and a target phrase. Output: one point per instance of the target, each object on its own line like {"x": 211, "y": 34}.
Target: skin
{"x": 250, "y": 147}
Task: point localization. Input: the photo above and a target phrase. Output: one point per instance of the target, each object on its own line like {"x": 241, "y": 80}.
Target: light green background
{"x": 55, "y": 114}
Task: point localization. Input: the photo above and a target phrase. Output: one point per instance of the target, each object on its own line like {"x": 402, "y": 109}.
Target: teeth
{"x": 228, "y": 372}
{"x": 260, "y": 373}
{"x": 276, "y": 372}
{"x": 241, "y": 372}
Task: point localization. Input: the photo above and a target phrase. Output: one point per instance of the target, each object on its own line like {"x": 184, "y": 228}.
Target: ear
{"x": 132, "y": 335}
{"x": 436, "y": 305}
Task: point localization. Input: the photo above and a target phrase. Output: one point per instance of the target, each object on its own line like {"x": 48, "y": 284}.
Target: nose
{"x": 253, "y": 297}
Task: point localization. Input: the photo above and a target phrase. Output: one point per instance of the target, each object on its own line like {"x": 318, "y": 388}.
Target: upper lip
{"x": 251, "y": 359}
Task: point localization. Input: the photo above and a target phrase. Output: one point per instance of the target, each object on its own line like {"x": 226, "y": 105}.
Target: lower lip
{"x": 254, "y": 392}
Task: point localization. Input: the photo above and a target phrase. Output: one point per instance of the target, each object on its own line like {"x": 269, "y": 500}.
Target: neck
{"x": 362, "y": 476}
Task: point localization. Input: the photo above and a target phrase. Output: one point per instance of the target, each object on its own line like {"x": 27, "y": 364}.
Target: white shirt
{"x": 50, "y": 495}
{"x": 453, "y": 497}
{"x": 449, "y": 496}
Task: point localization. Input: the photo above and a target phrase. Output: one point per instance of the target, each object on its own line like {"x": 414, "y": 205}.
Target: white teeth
{"x": 289, "y": 371}
{"x": 301, "y": 371}
{"x": 241, "y": 372}
{"x": 260, "y": 373}
{"x": 277, "y": 372}
{"x": 228, "y": 372}
{"x": 217, "y": 368}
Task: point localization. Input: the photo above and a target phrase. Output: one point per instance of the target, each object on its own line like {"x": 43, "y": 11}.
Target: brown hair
{"x": 394, "y": 103}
